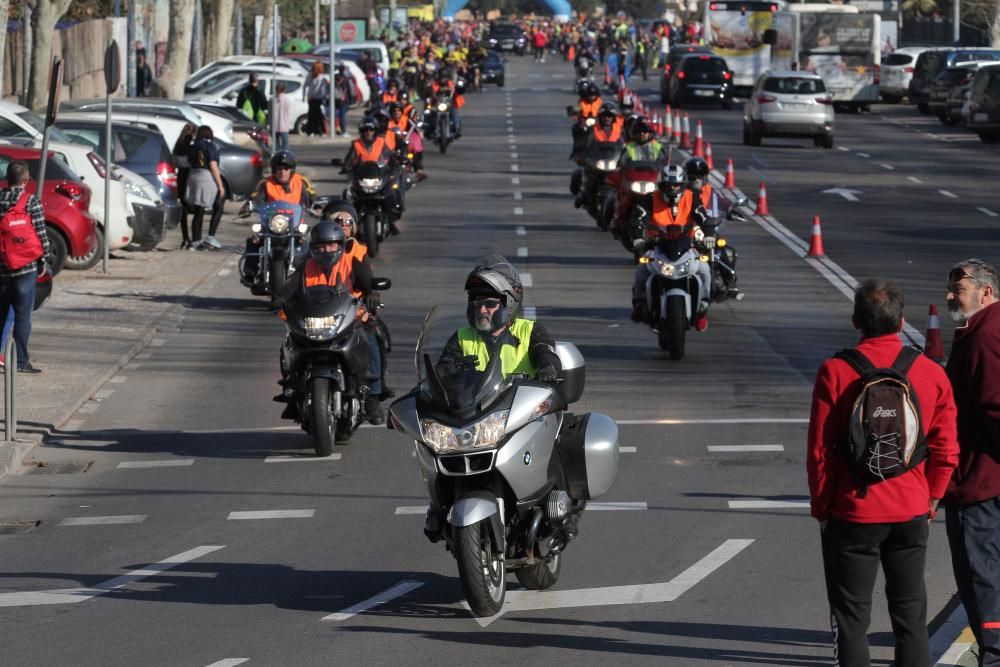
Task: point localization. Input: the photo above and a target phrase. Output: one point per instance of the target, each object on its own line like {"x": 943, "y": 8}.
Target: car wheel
{"x": 755, "y": 135}
{"x": 746, "y": 134}
{"x": 300, "y": 125}
{"x": 923, "y": 107}
{"x": 500, "y": 82}
{"x": 892, "y": 99}
{"x": 989, "y": 137}
{"x": 828, "y": 141}
{"x": 727, "y": 103}
{"x": 58, "y": 248}
{"x": 817, "y": 141}
{"x": 92, "y": 257}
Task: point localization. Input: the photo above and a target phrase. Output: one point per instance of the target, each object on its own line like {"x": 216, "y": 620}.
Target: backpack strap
{"x": 857, "y": 361}
{"x": 905, "y": 359}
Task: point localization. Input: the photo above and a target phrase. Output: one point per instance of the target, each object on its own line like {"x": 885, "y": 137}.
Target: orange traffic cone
{"x": 571, "y": 53}
{"x": 730, "y": 175}
{"x": 668, "y": 128}
{"x": 762, "y": 201}
{"x": 686, "y": 134}
{"x": 677, "y": 126}
{"x": 699, "y": 142}
{"x": 708, "y": 157}
{"x": 933, "y": 347}
{"x": 816, "y": 241}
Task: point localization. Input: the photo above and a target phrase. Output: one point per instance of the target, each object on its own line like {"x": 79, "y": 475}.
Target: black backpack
{"x": 885, "y": 437}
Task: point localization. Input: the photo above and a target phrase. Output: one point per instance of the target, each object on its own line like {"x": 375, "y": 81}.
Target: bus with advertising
{"x": 735, "y": 31}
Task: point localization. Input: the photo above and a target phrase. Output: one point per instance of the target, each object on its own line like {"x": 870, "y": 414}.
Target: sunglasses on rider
{"x": 489, "y": 304}
{"x": 344, "y": 219}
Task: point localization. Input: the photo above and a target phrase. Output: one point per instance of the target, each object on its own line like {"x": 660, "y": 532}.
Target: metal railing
{"x": 9, "y": 376}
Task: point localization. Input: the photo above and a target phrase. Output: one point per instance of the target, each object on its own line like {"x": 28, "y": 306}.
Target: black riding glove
{"x": 547, "y": 373}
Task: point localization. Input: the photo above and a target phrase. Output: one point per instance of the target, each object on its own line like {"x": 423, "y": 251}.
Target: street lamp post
{"x": 331, "y": 33}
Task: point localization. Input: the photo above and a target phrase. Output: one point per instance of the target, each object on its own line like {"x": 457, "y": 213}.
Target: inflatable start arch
{"x": 560, "y": 8}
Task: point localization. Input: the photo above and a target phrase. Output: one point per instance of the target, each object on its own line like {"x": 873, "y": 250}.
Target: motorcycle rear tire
{"x": 481, "y": 570}
{"x": 279, "y": 272}
{"x": 676, "y": 326}
{"x": 543, "y": 574}
{"x": 371, "y": 235}
{"x": 324, "y": 424}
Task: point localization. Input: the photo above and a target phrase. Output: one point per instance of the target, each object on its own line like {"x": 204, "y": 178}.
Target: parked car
{"x": 897, "y": 70}
{"x": 155, "y": 107}
{"x": 245, "y": 132}
{"x": 245, "y": 60}
{"x": 140, "y": 149}
{"x": 374, "y": 48}
{"x": 351, "y": 68}
{"x": 227, "y": 93}
{"x": 17, "y": 121}
{"x": 932, "y": 62}
{"x": 677, "y": 53}
{"x": 494, "y": 69}
{"x": 701, "y": 79}
{"x": 507, "y": 37}
{"x": 214, "y": 78}
{"x": 241, "y": 168}
{"x": 789, "y": 104}
{"x": 948, "y": 92}
{"x": 984, "y": 104}
{"x": 72, "y": 230}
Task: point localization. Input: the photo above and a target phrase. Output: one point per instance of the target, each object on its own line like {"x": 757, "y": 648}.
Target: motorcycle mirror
{"x": 740, "y": 201}
{"x": 247, "y": 209}
{"x": 735, "y": 215}
{"x": 569, "y": 110}
{"x": 381, "y": 284}
{"x": 337, "y": 162}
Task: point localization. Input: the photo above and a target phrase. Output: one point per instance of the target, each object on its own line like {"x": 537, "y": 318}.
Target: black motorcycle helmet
{"x": 696, "y": 169}
{"x": 642, "y": 132}
{"x": 394, "y": 107}
{"x": 589, "y": 91}
{"x": 607, "y": 113}
{"x": 368, "y": 124}
{"x": 323, "y": 233}
{"x": 393, "y": 83}
{"x": 285, "y": 158}
{"x": 382, "y": 119}
{"x": 494, "y": 277}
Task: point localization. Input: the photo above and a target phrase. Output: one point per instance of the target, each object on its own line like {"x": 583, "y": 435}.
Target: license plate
{"x": 981, "y": 117}
{"x": 795, "y": 105}
{"x": 704, "y": 93}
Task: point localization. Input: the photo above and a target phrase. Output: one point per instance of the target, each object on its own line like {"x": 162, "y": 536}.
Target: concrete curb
{"x": 13, "y": 454}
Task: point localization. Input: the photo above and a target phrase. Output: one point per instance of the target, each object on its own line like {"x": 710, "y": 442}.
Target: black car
{"x": 507, "y": 37}
{"x": 948, "y": 92}
{"x": 677, "y": 53}
{"x": 143, "y": 150}
{"x": 493, "y": 69}
{"x": 984, "y": 104}
{"x": 701, "y": 79}
{"x": 932, "y": 63}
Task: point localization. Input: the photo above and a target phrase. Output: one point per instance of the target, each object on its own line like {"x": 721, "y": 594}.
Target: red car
{"x": 65, "y": 200}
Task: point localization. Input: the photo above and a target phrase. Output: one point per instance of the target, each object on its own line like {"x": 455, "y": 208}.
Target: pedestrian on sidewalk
{"x": 865, "y": 523}
{"x": 182, "y": 147}
{"x": 316, "y": 92}
{"x": 282, "y": 117}
{"x": 342, "y": 99}
{"x": 205, "y": 189}
{"x": 17, "y": 276}
{"x": 972, "y": 502}
{"x": 252, "y": 101}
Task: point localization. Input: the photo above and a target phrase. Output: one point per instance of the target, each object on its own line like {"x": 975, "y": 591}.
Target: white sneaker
{"x": 212, "y": 242}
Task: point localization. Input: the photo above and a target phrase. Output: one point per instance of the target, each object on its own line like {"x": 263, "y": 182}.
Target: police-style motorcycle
{"x": 324, "y": 362}
{"x": 280, "y": 236}
{"x": 373, "y": 193}
{"x": 503, "y": 457}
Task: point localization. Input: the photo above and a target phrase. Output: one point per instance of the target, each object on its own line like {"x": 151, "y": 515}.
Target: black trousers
{"x": 974, "y": 537}
{"x": 851, "y": 556}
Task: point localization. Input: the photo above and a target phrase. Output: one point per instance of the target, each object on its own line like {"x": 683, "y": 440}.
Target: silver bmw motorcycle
{"x": 501, "y": 456}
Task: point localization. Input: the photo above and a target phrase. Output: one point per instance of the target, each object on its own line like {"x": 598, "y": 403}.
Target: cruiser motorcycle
{"x": 281, "y": 232}
{"x": 324, "y": 362}
{"x": 502, "y": 457}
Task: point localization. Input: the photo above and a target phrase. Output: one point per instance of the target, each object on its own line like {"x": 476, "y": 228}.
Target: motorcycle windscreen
{"x": 274, "y": 208}
{"x": 673, "y": 241}
{"x": 604, "y": 150}
{"x": 369, "y": 170}
{"x": 453, "y": 383}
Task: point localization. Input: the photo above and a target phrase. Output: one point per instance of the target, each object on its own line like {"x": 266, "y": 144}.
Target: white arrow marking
{"x": 950, "y": 195}
{"x": 614, "y": 595}
{"x": 846, "y": 193}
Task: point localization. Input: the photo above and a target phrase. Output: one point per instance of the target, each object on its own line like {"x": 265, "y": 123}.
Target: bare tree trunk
{"x": 264, "y": 44}
{"x": 995, "y": 28}
{"x": 178, "y": 48}
{"x": 44, "y": 16}
{"x": 4, "y": 13}
{"x": 218, "y": 29}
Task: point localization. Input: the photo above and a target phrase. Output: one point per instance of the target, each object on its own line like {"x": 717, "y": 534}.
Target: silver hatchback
{"x": 789, "y": 104}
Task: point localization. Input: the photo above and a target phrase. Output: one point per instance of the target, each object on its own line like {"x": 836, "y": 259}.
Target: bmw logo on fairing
{"x": 527, "y": 458}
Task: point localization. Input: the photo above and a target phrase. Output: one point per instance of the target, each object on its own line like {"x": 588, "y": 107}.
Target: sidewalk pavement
{"x": 95, "y": 323}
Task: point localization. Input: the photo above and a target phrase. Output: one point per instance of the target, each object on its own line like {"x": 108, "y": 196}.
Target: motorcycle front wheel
{"x": 324, "y": 423}
{"x": 676, "y": 326}
{"x": 371, "y": 235}
{"x": 279, "y": 271}
{"x": 481, "y": 568}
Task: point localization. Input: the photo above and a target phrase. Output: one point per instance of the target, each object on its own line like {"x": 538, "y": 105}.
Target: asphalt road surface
{"x": 161, "y": 532}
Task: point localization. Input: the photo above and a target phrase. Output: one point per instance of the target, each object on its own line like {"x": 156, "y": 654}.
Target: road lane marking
{"x": 229, "y": 662}
{"x": 952, "y": 639}
{"x": 158, "y": 342}
{"x": 513, "y": 147}
{"x": 627, "y": 450}
{"x": 887, "y": 167}
{"x": 987, "y": 211}
{"x": 118, "y": 379}
{"x": 914, "y": 179}
{"x": 522, "y": 252}
{"x": 950, "y": 195}
{"x": 514, "y": 167}
{"x": 621, "y": 595}
{"x": 748, "y": 420}
{"x": 526, "y": 280}
{"x": 768, "y": 504}
{"x": 758, "y": 159}
{"x": 308, "y": 459}
{"x": 616, "y": 507}
{"x": 102, "y": 520}
{"x": 530, "y": 312}
{"x": 518, "y": 196}
{"x": 399, "y": 590}
{"x": 144, "y": 355}
{"x": 518, "y": 210}
{"x": 73, "y": 595}
{"x": 225, "y": 272}
{"x": 863, "y": 155}
{"x": 843, "y": 148}
{"x": 521, "y": 231}
{"x": 764, "y": 177}
{"x": 103, "y": 394}
{"x": 88, "y": 409}
{"x": 411, "y": 509}
{"x": 513, "y": 156}
{"x": 746, "y": 448}
{"x": 166, "y": 463}
{"x": 270, "y": 514}
{"x": 515, "y": 180}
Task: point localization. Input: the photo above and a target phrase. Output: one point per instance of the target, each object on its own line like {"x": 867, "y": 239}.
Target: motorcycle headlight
{"x": 485, "y": 433}
{"x": 278, "y": 224}
{"x": 322, "y": 328}
{"x": 665, "y": 268}
{"x": 442, "y": 107}
{"x": 591, "y": 122}
{"x": 709, "y": 241}
{"x": 370, "y": 184}
{"x": 607, "y": 165}
{"x": 642, "y": 187}
{"x": 699, "y": 234}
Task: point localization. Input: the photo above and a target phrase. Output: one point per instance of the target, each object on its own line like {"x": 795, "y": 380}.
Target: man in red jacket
{"x": 886, "y": 521}
{"x": 973, "y": 497}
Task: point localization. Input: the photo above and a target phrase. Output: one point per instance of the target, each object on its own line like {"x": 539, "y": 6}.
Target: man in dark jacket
{"x": 973, "y": 497}
{"x": 887, "y": 521}
{"x": 252, "y": 101}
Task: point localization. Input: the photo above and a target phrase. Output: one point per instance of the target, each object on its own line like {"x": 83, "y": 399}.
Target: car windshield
{"x": 897, "y": 59}
{"x": 505, "y": 31}
{"x": 699, "y": 66}
{"x": 38, "y": 123}
{"x": 222, "y": 84}
{"x": 794, "y": 85}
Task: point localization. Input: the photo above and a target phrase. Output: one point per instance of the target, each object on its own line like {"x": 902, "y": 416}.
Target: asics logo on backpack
{"x": 883, "y": 412}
